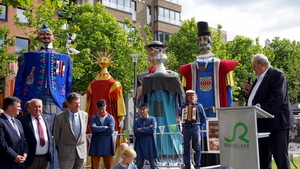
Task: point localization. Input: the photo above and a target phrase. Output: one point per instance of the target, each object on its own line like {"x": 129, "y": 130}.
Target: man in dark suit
{"x": 270, "y": 92}
{"x": 39, "y": 142}
{"x": 69, "y": 134}
{"x": 13, "y": 146}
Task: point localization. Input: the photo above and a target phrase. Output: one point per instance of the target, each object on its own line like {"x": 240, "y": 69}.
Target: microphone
{"x": 249, "y": 77}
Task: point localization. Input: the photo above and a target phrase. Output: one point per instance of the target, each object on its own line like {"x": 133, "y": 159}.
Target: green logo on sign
{"x": 241, "y": 136}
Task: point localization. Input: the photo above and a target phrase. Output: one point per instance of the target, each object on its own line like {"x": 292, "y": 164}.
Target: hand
{"x": 139, "y": 91}
{"x": 247, "y": 87}
{"x": 151, "y": 125}
{"x": 139, "y": 129}
{"x": 94, "y": 124}
{"x": 20, "y": 159}
{"x": 121, "y": 125}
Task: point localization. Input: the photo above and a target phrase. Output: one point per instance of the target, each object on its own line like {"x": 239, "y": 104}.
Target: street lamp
{"x": 134, "y": 60}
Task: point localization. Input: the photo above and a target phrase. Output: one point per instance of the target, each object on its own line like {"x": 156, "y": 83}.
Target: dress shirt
{"x": 255, "y": 87}
{"x": 13, "y": 123}
{"x": 76, "y": 115}
{"x": 39, "y": 149}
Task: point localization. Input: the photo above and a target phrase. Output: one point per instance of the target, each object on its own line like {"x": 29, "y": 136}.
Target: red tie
{"x": 41, "y": 132}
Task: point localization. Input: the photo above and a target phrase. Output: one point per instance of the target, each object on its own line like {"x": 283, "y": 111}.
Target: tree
{"x": 183, "y": 45}
{"x": 97, "y": 31}
{"x": 5, "y": 57}
{"x": 287, "y": 59}
{"x": 16, "y": 3}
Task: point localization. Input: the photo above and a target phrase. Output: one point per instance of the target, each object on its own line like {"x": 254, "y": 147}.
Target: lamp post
{"x": 134, "y": 60}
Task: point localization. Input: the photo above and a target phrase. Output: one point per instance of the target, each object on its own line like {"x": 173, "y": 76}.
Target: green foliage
{"x": 287, "y": 59}
{"x": 183, "y": 44}
{"x": 98, "y": 30}
{"x": 15, "y": 3}
{"x": 37, "y": 15}
{"x": 5, "y": 57}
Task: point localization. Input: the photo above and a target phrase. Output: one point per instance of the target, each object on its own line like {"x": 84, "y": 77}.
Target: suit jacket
{"x": 11, "y": 145}
{"x": 272, "y": 95}
{"x": 30, "y": 137}
{"x": 68, "y": 146}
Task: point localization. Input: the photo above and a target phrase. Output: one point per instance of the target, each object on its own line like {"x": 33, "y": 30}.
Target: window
{"x": 162, "y": 36}
{"x": 133, "y": 10}
{"x": 167, "y": 15}
{"x": 21, "y": 43}
{"x": 122, "y": 5}
{"x": 127, "y": 30}
{"x": 1, "y": 43}
{"x": 3, "y": 12}
{"x": 21, "y": 16}
{"x": 149, "y": 15}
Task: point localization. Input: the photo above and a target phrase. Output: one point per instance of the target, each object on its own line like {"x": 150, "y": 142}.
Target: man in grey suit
{"x": 69, "y": 134}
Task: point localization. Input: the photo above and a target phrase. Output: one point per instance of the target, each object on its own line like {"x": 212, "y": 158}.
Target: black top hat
{"x": 156, "y": 44}
{"x": 144, "y": 106}
{"x": 101, "y": 103}
{"x": 203, "y": 29}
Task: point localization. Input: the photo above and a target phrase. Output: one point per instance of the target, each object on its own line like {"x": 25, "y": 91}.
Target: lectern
{"x": 238, "y": 136}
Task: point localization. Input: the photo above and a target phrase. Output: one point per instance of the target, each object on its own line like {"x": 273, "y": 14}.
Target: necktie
{"x": 75, "y": 126}
{"x": 15, "y": 126}
{"x": 41, "y": 132}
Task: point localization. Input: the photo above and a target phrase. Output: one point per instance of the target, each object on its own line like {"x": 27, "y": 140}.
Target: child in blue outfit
{"x": 128, "y": 157}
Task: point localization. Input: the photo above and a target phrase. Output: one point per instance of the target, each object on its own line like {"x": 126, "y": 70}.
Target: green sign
{"x": 241, "y": 137}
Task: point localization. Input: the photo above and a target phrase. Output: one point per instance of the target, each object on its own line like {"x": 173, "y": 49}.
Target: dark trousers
{"x": 194, "y": 135}
{"x": 277, "y": 145}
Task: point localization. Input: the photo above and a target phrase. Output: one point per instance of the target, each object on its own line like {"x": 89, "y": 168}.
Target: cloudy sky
{"x": 265, "y": 19}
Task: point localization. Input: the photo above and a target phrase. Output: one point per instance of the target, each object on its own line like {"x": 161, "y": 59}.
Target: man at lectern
{"x": 270, "y": 91}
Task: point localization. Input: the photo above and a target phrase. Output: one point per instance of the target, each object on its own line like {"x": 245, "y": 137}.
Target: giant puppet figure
{"x": 104, "y": 86}
{"x": 212, "y": 80}
{"x": 162, "y": 90}
{"x": 209, "y": 76}
{"x": 44, "y": 74}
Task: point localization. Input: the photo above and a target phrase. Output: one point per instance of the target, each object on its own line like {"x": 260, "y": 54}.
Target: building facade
{"x": 163, "y": 17}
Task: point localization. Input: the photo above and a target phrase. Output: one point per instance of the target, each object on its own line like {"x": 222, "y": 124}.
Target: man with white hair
{"x": 270, "y": 91}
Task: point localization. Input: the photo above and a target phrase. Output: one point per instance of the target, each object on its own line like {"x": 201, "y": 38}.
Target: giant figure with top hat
{"x": 162, "y": 90}
{"x": 212, "y": 80}
{"x": 208, "y": 75}
{"x": 44, "y": 74}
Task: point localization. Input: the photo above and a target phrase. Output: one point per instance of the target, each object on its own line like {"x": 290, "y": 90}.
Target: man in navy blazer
{"x": 38, "y": 155}
{"x": 270, "y": 91}
{"x": 13, "y": 146}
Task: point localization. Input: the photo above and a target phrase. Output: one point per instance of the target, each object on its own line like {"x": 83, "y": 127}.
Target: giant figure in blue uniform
{"x": 44, "y": 74}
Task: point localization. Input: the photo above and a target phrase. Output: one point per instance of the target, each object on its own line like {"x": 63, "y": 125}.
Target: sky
{"x": 265, "y": 19}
